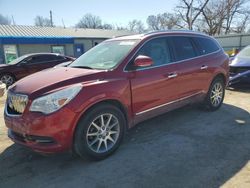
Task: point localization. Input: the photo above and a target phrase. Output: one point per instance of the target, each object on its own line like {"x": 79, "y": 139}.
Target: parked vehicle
{"x": 29, "y": 64}
{"x": 2, "y": 89}
{"x": 240, "y": 68}
{"x": 87, "y": 106}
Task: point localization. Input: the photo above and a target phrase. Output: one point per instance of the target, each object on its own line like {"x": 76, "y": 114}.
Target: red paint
{"x": 136, "y": 91}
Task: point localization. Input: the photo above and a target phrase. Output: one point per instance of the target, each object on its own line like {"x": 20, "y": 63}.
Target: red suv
{"x": 87, "y": 106}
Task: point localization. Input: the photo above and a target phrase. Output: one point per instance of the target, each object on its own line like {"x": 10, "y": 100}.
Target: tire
{"x": 215, "y": 95}
{"x": 8, "y": 79}
{"x": 100, "y": 132}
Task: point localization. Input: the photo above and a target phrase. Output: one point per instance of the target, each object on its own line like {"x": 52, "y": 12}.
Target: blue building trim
{"x": 35, "y": 40}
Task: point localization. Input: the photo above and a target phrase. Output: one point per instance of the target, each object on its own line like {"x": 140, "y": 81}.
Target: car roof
{"x": 156, "y": 33}
{"x": 34, "y": 54}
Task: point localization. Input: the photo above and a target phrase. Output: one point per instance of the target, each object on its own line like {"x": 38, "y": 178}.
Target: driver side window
{"x": 157, "y": 50}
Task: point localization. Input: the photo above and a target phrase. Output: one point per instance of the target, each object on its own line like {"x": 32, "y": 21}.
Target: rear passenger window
{"x": 205, "y": 45}
{"x": 57, "y": 58}
{"x": 183, "y": 48}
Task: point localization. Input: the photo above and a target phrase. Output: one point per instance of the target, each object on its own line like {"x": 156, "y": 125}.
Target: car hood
{"x": 54, "y": 78}
{"x": 5, "y": 65}
{"x": 240, "y": 62}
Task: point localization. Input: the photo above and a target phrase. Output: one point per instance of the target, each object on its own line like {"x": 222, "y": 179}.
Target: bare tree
{"x": 42, "y": 22}
{"x": 153, "y": 22}
{"x": 189, "y": 10}
{"x": 214, "y": 16}
{"x": 4, "y": 20}
{"x": 107, "y": 26}
{"x": 225, "y": 16}
{"x": 136, "y": 26}
{"x": 243, "y": 22}
{"x": 164, "y": 21}
{"x": 233, "y": 8}
{"x": 90, "y": 21}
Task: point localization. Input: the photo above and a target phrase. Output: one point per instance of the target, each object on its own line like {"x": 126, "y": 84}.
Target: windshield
{"x": 17, "y": 60}
{"x": 245, "y": 52}
{"x": 105, "y": 56}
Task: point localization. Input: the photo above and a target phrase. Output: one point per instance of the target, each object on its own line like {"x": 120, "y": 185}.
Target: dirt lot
{"x": 183, "y": 148}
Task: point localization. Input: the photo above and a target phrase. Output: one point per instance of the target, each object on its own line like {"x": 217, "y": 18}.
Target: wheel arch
{"x": 220, "y": 75}
{"x": 10, "y": 73}
{"x": 114, "y": 102}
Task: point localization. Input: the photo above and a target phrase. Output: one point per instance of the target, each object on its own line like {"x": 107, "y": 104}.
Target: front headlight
{"x": 54, "y": 101}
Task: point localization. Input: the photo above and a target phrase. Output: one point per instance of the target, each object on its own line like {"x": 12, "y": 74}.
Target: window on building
{"x": 58, "y": 50}
{"x": 10, "y": 53}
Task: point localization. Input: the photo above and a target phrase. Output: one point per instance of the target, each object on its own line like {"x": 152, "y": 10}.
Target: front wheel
{"x": 100, "y": 132}
{"x": 215, "y": 95}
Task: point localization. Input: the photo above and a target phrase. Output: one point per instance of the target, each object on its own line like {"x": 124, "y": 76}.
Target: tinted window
{"x": 158, "y": 50}
{"x": 205, "y": 45}
{"x": 183, "y": 48}
{"x": 44, "y": 58}
{"x": 58, "y": 58}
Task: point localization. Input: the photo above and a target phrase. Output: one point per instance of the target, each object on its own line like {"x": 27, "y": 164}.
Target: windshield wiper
{"x": 82, "y": 67}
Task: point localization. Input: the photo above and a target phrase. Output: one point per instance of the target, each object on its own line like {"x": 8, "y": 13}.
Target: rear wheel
{"x": 215, "y": 95}
{"x": 7, "y": 79}
{"x": 100, "y": 132}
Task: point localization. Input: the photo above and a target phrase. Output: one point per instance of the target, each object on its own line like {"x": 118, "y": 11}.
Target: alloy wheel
{"x": 103, "y": 133}
{"x": 7, "y": 79}
{"x": 216, "y": 95}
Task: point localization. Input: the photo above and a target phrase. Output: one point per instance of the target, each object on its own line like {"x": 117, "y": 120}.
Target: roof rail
{"x": 174, "y": 30}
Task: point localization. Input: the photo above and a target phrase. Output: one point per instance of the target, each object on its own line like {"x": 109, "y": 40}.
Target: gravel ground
{"x": 184, "y": 148}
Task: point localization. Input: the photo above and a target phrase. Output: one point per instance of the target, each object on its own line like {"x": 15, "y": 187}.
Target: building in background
{"x": 16, "y": 41}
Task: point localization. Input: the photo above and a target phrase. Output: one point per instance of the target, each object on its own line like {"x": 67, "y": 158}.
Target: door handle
{"x": 172, "y": 75}
{"x": 203, "y": 67}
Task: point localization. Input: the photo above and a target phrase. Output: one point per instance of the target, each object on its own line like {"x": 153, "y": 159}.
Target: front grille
{"x": 16, "y": 103}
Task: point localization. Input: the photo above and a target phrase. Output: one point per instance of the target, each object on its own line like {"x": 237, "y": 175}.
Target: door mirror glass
{"x": 143, "y": 61}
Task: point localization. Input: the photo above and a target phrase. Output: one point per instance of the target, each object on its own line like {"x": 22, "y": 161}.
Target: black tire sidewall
{"x": 80, "y": 142}
{"x": 208, "y": 101}
{"x": 7, "y": 74}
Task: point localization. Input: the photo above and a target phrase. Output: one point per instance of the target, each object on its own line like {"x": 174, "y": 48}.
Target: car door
{"x": 154, "y": 87}
{"x": 191, "y": 75}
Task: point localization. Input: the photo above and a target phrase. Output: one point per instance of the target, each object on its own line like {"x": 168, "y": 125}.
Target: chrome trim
{"x": 174, "y": 62}
{"x": 162, "y": 105}
{"x": 10, "y": 115}
{"x": 204, "y": 67}
{"x": 173, "y": 75}
{"x": 17, "y": 102}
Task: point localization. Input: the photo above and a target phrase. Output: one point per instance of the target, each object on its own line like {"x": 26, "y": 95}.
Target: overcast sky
{"x": 111, "y": 11}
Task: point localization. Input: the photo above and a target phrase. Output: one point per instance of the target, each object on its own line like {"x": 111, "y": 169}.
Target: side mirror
{"x": 143, "y": 61}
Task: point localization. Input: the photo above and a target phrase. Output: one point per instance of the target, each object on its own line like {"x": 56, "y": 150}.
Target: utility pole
{"x": 13, "y": 21}
{"x": 51, "y": 19}
{"x": 63, "y": 23}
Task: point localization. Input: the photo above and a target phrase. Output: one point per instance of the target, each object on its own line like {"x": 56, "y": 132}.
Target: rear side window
{"x": 57, "y": 58}
{"x": 183, "y": 48}
{"x": 205, "y": 45}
